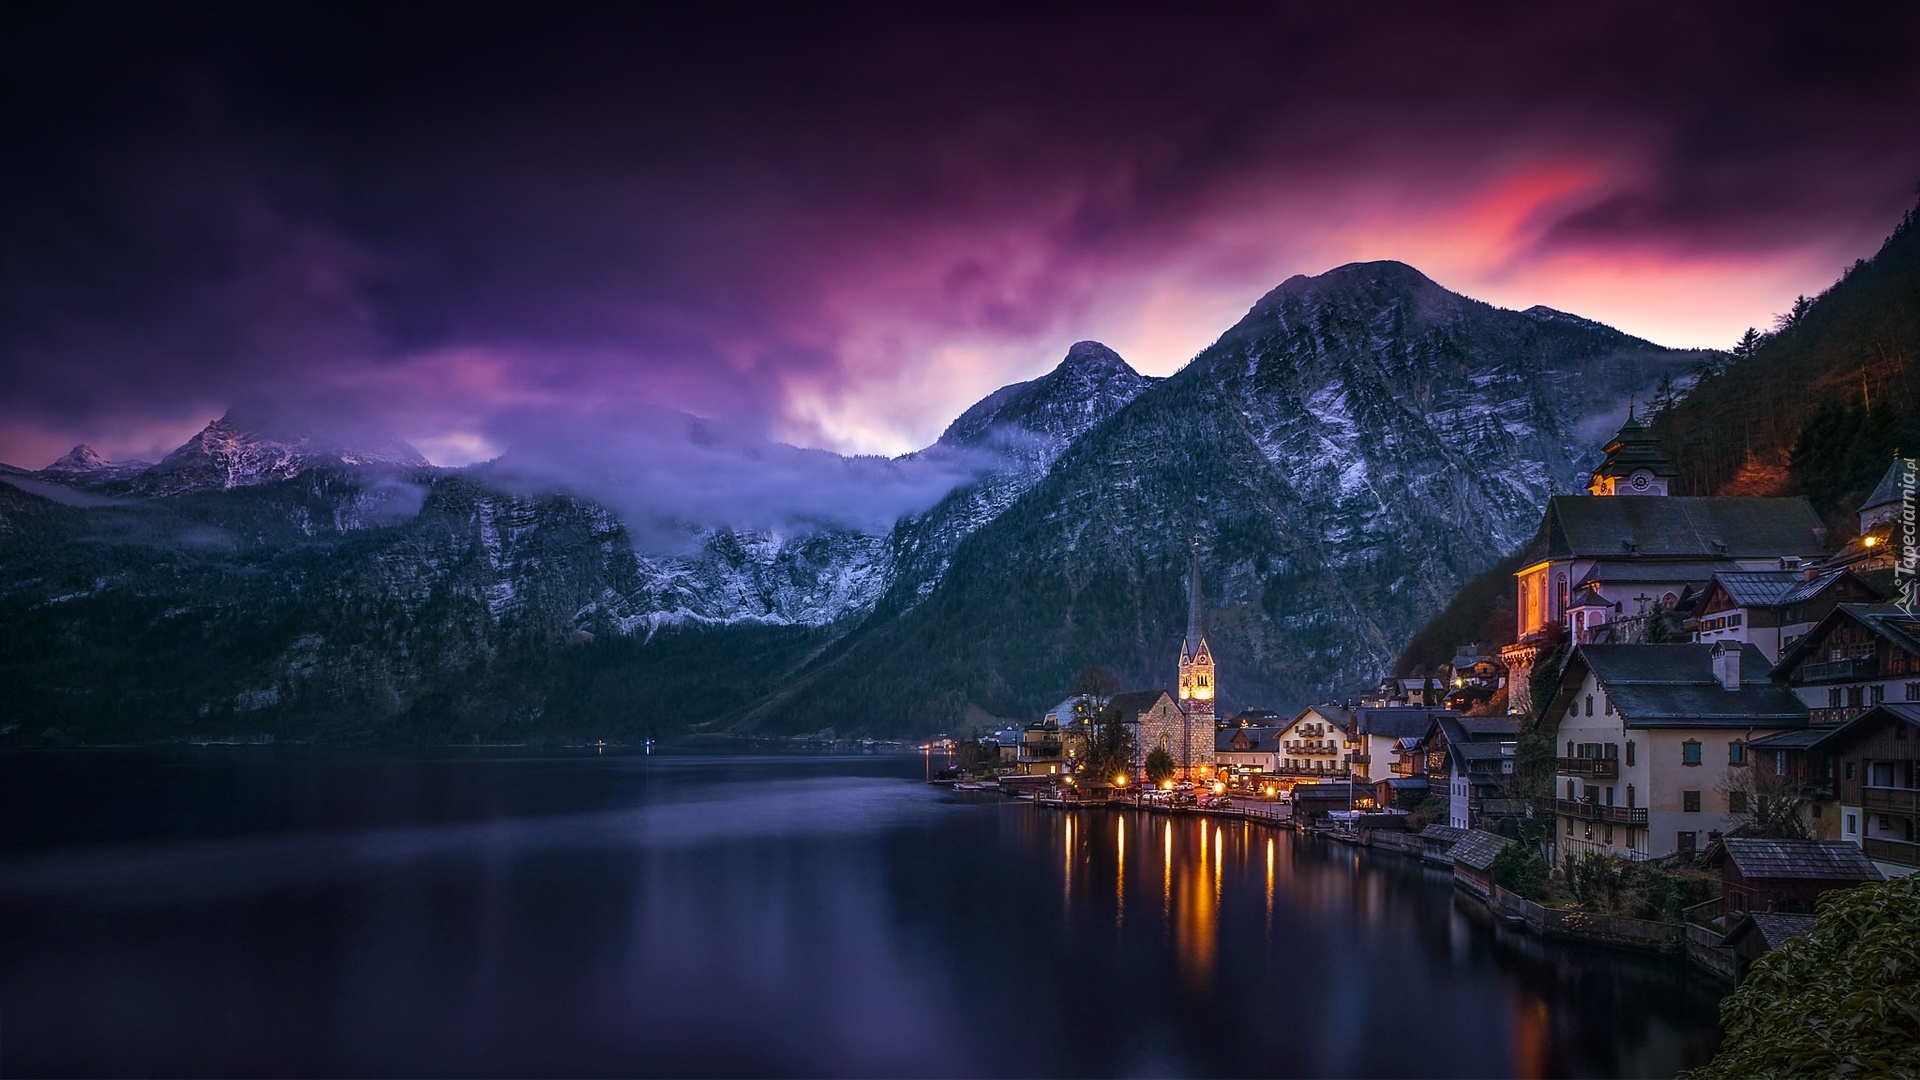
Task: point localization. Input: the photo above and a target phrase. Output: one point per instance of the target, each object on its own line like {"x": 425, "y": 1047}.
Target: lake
{"x": 287, "y": 911}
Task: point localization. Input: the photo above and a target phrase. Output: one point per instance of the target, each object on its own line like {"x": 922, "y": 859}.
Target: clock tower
{"x": 1634, "y": 465}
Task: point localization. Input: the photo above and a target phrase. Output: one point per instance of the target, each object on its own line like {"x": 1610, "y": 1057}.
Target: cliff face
{"x": 1349, "y": 453}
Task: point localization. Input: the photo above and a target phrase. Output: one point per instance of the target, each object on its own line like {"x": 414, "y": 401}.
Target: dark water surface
{"x": 263, "y": 911}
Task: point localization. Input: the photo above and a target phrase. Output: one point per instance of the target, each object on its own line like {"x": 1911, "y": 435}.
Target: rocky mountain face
{"x": 1349, "y": 453}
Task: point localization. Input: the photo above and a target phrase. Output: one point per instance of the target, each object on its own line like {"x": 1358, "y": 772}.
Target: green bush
{"x": 1844, "y": 1001}
{"x": 1520, "y": 871}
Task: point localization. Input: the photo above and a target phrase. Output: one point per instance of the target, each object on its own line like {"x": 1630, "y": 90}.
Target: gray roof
{"x": 1815, "y": 860}
{"x": 1489, "y": 727}
{"x": 1758, "y": 588}
{"x": 1655, "y": 572}
{"x": 1673, "y": 686}
{"x": 1446, "y": 834}
{"x": 1134, "y": 702}
{"x": 1790, "y": 740}
{"x": 1680, "y": 527}
{"x": 1396, "y": 721}
{"x": 1772, "y": 928}
{"x": 1223, "y": 739}
{"x": 1477, "y": 849}
{"x": 1887, "y": 490}
{"x": 1406, "y": 783}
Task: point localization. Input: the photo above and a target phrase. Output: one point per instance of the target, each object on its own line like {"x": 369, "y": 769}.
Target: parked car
{"x": 1218, "y": 802}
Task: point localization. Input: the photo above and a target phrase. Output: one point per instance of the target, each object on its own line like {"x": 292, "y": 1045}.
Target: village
{"x": 1705, "y": 720}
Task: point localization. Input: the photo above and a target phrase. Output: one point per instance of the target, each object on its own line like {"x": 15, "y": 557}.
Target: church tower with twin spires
{"x": 1197, "y": 683}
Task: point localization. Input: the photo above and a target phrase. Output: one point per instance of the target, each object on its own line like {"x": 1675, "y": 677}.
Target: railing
{"x": 1598, "y": 767}
{"x": 1586, "y": 811}
{"x": 1905, "y": 800}
{"x": 1864, "y": 667}
{"x": 1824, "y": 717}
{"x": 1401, "y": 768}
{"x": 1360, "y": 759}
{"x": 1893, "y": 851}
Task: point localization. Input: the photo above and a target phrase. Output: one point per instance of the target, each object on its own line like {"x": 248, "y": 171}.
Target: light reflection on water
{"x": 305, "y": 912}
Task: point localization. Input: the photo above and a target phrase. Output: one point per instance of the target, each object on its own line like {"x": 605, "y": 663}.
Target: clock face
{"x": 1640, "y": 480}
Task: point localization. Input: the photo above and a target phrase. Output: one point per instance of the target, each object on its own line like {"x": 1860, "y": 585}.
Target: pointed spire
{"x": 1195, "y": 633}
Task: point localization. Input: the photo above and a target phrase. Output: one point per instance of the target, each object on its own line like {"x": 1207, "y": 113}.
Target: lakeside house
{"x": 1315, "y": 743}
{"x": 1875, "y": 759}
{"x": 1653, "y": 737}
{"x": 1248, "y": 750}
{"x": 1471, "y": 759}
{"x": 1784, "y": 876}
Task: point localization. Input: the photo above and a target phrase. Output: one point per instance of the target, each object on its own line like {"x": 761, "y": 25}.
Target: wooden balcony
{"x": 1828, "y": 717}
{"x": 1615, "y": 815}
{"x": 1599, "y": 768}
{"x": 1900, "y": 800}
{"x": 1898, "y": 852}
{"x": 1401, "y": 768}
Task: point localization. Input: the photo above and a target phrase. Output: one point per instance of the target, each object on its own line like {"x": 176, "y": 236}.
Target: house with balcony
{"x": 1858, "y": 656}
{"x": 1652, "y": 738}
{"x": 1043, "y": 749}
{"x": 1774, "y": 608}
{"x": 1315, "y": 743}
{"x": 1468, "y": 758}
{"x": 1878, "y": 794}
{"x": 1380, "y": 734}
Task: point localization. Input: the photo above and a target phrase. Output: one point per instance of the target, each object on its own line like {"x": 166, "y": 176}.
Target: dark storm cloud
{"x": 774, "y": 216}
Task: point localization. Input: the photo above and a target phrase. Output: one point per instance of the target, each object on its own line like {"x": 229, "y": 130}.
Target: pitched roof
{"x": 1815, "y": 860}
{"x": 1658, "y": 571}
{"x": 1887, "y": 490}
{"x": 1405, "y": 783}
{"x": 1887, "y": 621}
{"x": 1790, "y": 740}
{"x": 1634, "y": 447}
{"x": 1674, "y": 686}
{"x": 1477, "y": 849}
{"x": 1223, "y": 739}
{"x": 1758, "y": 588}
{"x": 1445, "y": 834}
{"x": 1833, "y": 740}
{"x": 1395, "y": 721}
{"x": 1679, "y": 527}
{"x": 1134, "y": 702}
{"x": 1774, "y": 929}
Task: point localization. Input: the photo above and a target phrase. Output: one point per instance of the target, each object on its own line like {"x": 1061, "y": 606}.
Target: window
{"x": 1834, "y": 698}
{"x": 1913, "y": 691}
{"x": 1779, "y": 763}
{"x": 1569, "y": 747}
{"x": 1629, "y": 751}
{"x": 1736, "y": 753}
{"x": 1856, "y": 696}
{"x": 1876, "y": 693}
{"x": 1882, "y": 774}
{"x": 1609, "y": 835}
{"x": 1853, "y": 824}
{"x": 1569, "y": 791}
{"x": 1849, "y": 770}
{"x": 1686, "y": 841}
{"x": 1630, "y": 805}
{"x": 1690, "y": 752}
{"x": 1690, "y": 802}
{"x": 1589, "y": 704}
{"x": 1609, "y": 704}
{"x": 1736, "y": 802}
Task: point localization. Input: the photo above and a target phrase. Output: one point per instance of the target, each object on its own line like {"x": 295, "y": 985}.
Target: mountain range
{"x": 1348, "y": 454}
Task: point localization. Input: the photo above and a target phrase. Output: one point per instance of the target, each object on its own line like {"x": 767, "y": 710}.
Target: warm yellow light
{"x": 1218, "y": 787}
{"x": 1120, "y": 781}
{"x": 1870, "y": 541}
{"x": 1166, "y": 785}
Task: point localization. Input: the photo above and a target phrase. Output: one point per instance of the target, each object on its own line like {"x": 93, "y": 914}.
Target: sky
{"x": 837, "y": 226}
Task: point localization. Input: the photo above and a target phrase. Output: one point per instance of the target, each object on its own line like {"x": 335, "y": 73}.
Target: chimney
{"x": 1811, "y": 572}
{"x": 1726, "y": 665}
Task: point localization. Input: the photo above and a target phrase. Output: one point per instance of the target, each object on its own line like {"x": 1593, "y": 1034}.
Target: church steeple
{"x": 1635, "y": 464}
{"x": 1196, "y": 659}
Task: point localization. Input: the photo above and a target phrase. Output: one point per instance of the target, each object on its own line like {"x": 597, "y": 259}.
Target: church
{"x": 1183, "y": 728}
{"x": 1605, "y": 564}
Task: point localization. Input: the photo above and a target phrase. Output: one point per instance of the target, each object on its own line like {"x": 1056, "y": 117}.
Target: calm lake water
{"x": 276, "y": 911}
